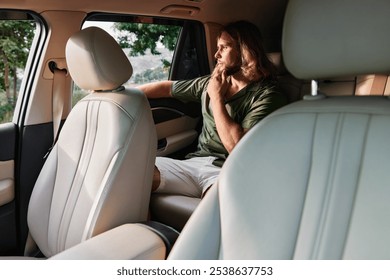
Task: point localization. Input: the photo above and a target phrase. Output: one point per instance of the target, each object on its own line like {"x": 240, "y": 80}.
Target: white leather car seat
{"x": 98, "y": 175}
{"x": 289, "y": 85}
{"x": 311, "y": 181}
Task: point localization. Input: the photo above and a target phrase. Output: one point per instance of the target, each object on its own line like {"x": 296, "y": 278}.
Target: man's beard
{"x": 232, "y": 70}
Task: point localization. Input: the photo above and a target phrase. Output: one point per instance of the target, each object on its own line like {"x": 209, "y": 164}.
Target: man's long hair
{"x": 250, "y": 45}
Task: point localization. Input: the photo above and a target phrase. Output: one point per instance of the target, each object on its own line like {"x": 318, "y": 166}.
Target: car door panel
{"x": 15, "y": 194}
{"x": 7, "y": 182}
{"x": 8, "y": 234}
{"x": 7, "y": 163}
{"x": 177, "y": 125}
{"x": 176, "y": 134}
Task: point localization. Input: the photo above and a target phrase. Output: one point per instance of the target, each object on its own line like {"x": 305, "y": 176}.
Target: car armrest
{"x": 126, "y": 242}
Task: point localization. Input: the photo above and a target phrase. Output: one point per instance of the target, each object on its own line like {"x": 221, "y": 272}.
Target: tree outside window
{"x": 15, "y": 41}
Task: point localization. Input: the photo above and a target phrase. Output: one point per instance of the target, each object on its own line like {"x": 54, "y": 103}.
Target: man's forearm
{"x": 157, "y": 89}
{"x": 228, "y": 130}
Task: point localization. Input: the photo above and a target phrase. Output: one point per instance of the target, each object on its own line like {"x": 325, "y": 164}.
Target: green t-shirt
{"x": 247, "y": 107}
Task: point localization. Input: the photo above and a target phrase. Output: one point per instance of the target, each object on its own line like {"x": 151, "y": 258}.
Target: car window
{"x": 149, "y": 43}
{"x": 16, "y": 39}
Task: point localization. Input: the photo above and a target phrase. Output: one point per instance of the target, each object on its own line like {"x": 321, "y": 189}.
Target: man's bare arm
{"x": 157, "y": 89}
{"x": 228, "y": 130}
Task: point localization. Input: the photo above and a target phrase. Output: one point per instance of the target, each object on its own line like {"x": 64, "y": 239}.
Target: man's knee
{"x": 156, "y": 179}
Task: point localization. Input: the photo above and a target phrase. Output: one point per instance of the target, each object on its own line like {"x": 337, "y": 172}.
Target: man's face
{"x": 227, "y": 55}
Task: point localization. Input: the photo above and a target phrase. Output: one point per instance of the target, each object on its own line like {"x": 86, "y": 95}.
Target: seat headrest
{"x": 96, "y": 61}
{"x": 336, "y": 38}
{"x": 277, "y": 61}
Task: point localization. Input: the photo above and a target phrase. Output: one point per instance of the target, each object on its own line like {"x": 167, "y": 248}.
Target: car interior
{"x": 310, "y": 181}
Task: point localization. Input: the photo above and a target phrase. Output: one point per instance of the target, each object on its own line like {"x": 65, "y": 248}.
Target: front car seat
{"x": 98, "y": 175}
{"x": 311, "y": 181}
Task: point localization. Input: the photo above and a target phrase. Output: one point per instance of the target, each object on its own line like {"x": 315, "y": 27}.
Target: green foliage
{"x": 78, "y": 94}
{"x": 6, "y": 111}
{"x": 140, "y": 37}
{"x": 15, "y": 41}
{"x": 151, "y": 75}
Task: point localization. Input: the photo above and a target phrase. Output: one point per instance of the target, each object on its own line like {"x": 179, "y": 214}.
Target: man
{"x": 238, "y": 94}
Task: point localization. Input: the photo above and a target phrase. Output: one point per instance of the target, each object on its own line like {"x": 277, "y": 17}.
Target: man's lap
{"x": 189, "y": 177}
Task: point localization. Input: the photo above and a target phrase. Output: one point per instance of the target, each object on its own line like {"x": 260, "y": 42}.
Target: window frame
{"x": 32, "y": 62}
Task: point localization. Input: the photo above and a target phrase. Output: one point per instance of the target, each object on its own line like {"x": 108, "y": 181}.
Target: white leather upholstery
{"x": 126, "y": 242}
{"x": 311, "y": 181}
{"x": 343, "y": 37}
{"x": 321, "y": 194}
{"x": 98, "y": 175}
{"x": 95, "y": 62}
{"x": 290, "y": 85}
{"x": 172, "y": 210}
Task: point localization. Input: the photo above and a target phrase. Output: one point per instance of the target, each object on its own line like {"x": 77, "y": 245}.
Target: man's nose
{"x": 217, "y": 54}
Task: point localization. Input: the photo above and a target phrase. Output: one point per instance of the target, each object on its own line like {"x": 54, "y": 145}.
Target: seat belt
{"x": 58, "y": 102}
{"x": 378, "y": 85}
{"x": 58, "y": 99}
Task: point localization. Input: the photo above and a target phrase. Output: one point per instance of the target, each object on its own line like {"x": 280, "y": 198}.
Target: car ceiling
{"x": 267, "y": 14}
